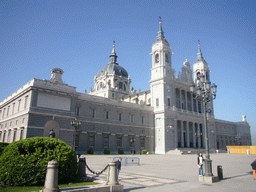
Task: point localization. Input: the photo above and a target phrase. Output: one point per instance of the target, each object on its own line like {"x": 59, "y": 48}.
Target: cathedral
{"x": 116, "y": 117}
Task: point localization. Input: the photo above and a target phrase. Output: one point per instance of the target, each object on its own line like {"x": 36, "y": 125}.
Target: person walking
{"x": 253, "y": 164}
{"x": 200, "y": 160}
{"x": 118, "y": 166}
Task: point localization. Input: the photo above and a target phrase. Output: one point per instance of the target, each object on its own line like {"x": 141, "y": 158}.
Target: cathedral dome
{"x": 112, "y": 67}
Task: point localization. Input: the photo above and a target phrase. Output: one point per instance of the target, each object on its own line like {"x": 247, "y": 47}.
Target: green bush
{"x": 90, "y": 151}
{"x": 22, "y": 159}
{"x": 2, "y": 147}
{"x": 106, "y": 151}
{"x": 120, "y": 151}
{"x": 144, "y": 151}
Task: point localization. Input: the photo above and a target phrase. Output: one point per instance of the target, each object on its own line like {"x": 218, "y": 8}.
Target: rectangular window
{"x": 142, "y": 142}
{"x": 13, "y": 108}
{"x": 19, "y": 105}
{"x": 120, "y": 117}
{"x": 119, "y": 142}
{"x": 4, "y": 137}
{"x": 194, "y": 104}
{"x": 3, "y": 113}
{"x": 107, "y": 115}
{"x": 199, "y": 107}
{"x": 142, "y": 119}
{"x": 177, "y": 98}
{"x": 14, "y": 135}
{"x": 77, "y": 111}
{"x": 0, "y": 113}
{"x": 26, "y": 101}
{"x": 93, "y": 113}
{"x": 91, "y": 140}
{"x": 120, "y": 85}
{"x": 132, "y": 118}
{"x": 21, "y": 133}
{"x": 169, "y": 102}
{"x": 8, "y": 109}
{"x": 106, "y": 141}
{"x": 113, "y": 95}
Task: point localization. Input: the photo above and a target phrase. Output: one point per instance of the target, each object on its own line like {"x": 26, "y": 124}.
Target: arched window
{"x": 157, "y": 58}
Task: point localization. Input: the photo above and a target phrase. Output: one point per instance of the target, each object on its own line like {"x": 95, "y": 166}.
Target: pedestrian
{"x": 118, "y": 165}
{"x": 200, "y": 160}
{"x": 254, "y": 168}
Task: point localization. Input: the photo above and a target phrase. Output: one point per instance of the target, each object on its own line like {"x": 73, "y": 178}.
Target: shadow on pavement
{"x": 248, "y": 173}
{"x": 133, "y": 188}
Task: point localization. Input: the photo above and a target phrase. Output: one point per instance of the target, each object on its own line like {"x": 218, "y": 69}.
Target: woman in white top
{"x": 200, "y": 160}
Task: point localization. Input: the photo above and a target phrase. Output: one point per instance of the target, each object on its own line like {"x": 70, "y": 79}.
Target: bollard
{"x": 112, "y": 177}
{"x": 220, "y": 172}
{"x": 51, "y": 179}
{"x": 81, "y": 167}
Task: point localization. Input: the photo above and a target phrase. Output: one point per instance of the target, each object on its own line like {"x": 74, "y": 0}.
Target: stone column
{"x": 194, "y": 135}
{"x": 51, "y": 179}
{"x": 188, "y": 135}
{"x": 112, "y": 178}
{"x": 175, "y": 134}
{"x": 182, "y": 138}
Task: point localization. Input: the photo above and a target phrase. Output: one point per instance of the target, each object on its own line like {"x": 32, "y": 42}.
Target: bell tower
{"x": 160, "y": 86}
{"x": 201, "y": 69}
{"x": 200, "y": 66}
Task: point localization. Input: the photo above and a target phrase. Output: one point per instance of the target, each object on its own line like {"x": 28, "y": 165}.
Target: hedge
{"x": 22, "y": 159}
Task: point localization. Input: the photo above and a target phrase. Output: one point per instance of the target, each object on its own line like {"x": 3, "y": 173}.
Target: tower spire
{"x": 199, "y": 54}
{"x": 113, "y": 55}
{"x": 160, "y": 36}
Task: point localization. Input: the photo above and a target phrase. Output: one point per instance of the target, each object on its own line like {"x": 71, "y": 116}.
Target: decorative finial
{"x": 199, "y": 43}
{"x": 160, "y": 20}
{"x": 114, "y": 43}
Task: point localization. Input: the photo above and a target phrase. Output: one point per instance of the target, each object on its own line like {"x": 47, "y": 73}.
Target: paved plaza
{"x": 179, "y": 173}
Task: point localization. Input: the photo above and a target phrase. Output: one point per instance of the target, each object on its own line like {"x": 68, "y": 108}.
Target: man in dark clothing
{"x": 254, "y": 168}
{"x": 118, "y": 165}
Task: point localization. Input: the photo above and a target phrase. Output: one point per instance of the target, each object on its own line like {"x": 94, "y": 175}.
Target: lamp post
{"x": 132, "y": 140}
{"x": 205, "y": 92}
{"x": 76, "y": 124}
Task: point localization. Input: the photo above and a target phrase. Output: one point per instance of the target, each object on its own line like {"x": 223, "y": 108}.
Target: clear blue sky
{"x": 77, "y": 36}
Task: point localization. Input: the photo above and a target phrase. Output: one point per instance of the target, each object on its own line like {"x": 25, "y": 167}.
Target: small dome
{"x": 114, "y": 69}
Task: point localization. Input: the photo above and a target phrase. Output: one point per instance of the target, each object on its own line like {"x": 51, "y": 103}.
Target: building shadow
{"x": 248, "y": 173}
{"x": 133, "y": 188}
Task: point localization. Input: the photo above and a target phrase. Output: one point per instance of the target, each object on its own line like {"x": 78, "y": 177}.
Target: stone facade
{"x": 114, "y": 116}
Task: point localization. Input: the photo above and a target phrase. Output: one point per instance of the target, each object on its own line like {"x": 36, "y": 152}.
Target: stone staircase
{"x": 187, "y": 151}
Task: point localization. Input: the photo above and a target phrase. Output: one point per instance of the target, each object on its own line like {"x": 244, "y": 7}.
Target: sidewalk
{"x": 179, "y": 173}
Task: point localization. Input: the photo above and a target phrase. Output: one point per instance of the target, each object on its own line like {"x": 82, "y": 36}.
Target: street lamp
{"x": 76, "y": 124}
{"x": 205, "y": 92}
{"x": 132, "y": 140}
